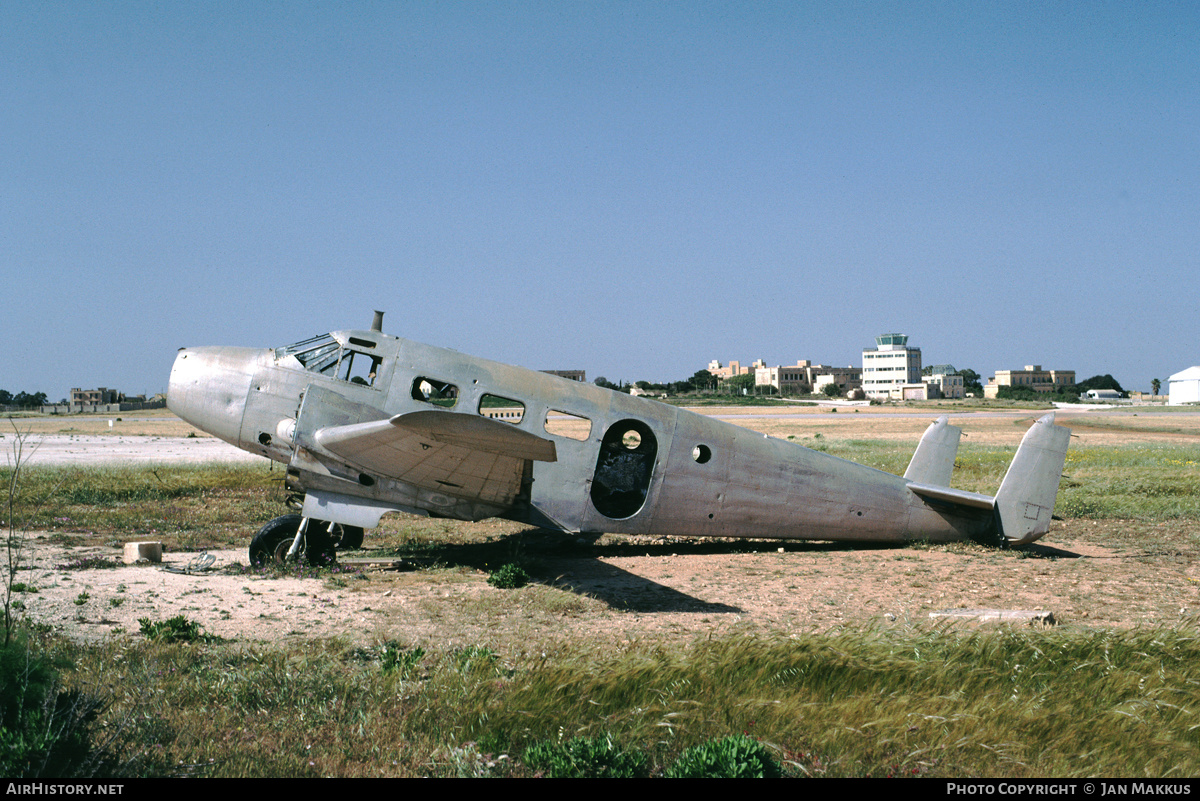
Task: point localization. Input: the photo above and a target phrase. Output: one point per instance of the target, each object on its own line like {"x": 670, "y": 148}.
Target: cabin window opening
{"x": 624, "y": 469}
{"x": 506, "y": 410}
{"x": 570, "y": 426}
{"x": 701, "y": 453}
{"x": 439, "y": 393}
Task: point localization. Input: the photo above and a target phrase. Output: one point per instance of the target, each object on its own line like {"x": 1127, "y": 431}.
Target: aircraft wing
{"x": 450, "y": 452}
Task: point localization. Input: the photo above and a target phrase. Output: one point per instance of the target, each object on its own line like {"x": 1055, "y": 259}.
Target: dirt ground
{"x": 623, "y": 591}
{"x": 620, "y": 590}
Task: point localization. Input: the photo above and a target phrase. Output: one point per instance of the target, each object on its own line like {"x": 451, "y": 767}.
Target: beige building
{"x": 732, "y": 369}
{"x": 804, "y": 377}
{"x": 103, "y": 400}
{"x": 947, "y": 380}
{"x": 574, "y": 375}
{"x": 847, "y": 379}
{"x": 890, "y": 365}
{"x": 1033, "y": 377}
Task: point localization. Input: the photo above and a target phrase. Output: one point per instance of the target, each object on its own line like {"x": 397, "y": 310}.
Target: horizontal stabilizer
{"x": 972, "y": 500}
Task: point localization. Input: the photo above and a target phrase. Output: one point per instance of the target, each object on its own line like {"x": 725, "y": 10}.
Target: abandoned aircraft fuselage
{"x": 369, "y": 423}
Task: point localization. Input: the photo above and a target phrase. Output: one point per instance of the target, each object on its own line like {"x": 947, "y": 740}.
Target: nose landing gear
{"x": 320, "y": 542}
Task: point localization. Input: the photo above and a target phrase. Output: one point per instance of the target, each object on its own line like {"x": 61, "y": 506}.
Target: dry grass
{"x": 152, "y": 422}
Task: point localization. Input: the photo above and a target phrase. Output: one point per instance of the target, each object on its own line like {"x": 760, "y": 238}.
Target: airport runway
{"x": 81, "y": 449}
{"x": 62, "y": 449}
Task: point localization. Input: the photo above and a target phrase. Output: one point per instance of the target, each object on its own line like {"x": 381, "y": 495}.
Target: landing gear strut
{"x": 320, "y": 544}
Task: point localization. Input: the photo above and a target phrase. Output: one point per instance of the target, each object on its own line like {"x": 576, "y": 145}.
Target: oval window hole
{"x": 701, "y": 453}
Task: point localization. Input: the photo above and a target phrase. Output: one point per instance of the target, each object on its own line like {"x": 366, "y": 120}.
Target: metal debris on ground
{"x": 1003, "y": 615}
{"x": 200, "y": 564}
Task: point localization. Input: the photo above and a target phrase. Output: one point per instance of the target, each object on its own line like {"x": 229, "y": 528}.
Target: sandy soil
{"x": 622, "y": 590}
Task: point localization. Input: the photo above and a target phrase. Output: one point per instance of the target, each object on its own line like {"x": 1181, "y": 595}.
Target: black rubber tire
{"x": 272, "y": 542}
{"x": 270, "y": 545}
{"x": 350, "y": 539}
{"x": 320, "y": 549}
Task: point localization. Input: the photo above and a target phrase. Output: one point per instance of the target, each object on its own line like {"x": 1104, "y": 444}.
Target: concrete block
{"x": 136, "y": 552}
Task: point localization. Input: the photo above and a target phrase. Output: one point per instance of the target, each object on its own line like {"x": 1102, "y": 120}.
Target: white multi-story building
{"x": 889, "y": 366}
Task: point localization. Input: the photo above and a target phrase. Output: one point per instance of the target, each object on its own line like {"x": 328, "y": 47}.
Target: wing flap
{"x": 457, "y": 454}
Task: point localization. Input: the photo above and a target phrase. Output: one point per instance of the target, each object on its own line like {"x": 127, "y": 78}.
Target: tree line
{"x": 23, "y": 399}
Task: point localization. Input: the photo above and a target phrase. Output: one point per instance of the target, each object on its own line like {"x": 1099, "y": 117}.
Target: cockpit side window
{"x": 326, "y": 356}
{"x": 359, "y": 368}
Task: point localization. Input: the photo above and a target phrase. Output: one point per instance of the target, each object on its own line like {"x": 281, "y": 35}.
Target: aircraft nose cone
{"x": 208, "y": 388}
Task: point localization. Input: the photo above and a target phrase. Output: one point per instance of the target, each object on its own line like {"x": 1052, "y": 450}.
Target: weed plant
{"x": 46, "y": 730}
{"x": 175, "y": 629}
{"x": 585, "y": 758}
{"x": 735, "y": 757}
{"x": 509, "y": 577}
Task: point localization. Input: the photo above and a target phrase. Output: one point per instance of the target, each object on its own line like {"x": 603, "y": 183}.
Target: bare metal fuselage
{"x": 361, "y": 446}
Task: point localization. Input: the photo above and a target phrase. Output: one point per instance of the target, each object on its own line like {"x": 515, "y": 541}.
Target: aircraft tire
{"x": 272, "y": 542}
{"x": 352, "y": 537}
{"x": 270, "y": 545}
{"x": 320, "y": 549}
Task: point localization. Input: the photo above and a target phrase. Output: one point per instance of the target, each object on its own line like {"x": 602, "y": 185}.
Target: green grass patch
{"x": 1147, "y": 483}
{"x": 185, "y": 506}
{"x": 990, "y": 703}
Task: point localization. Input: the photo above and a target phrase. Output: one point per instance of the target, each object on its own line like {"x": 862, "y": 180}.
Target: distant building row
{"x": 800, "y": 378}
{"x": 103, "y": 400}
{"x": 891, "y": 370}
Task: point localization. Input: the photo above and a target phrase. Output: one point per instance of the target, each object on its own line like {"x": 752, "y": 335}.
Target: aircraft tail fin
{"x": 1026, "y": 498}
{"x": 933, "y": 463}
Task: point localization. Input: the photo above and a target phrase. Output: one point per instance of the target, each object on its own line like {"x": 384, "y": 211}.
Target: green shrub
{"x": 737, "y": 757}
{"x": 509, "y": 577}
{"x": 585, "y": 758}
{"x": 44, "y": 731}
{"x": 395, "y": 659}
{"x": 175, "y": 629}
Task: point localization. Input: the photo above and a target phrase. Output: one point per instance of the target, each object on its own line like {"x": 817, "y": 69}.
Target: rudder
{"x": 1025, "y": 502}
{"x": 933, "y": 462}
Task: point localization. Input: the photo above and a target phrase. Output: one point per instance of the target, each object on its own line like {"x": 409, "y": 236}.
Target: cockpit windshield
{"x": 327, "y": 356}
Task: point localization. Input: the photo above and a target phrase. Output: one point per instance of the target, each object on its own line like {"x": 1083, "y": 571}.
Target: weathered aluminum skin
{"x": 358, "y": 450}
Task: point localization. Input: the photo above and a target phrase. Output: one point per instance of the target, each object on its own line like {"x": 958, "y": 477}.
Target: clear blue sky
{"x": 628, "y": 188}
